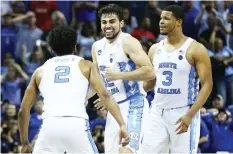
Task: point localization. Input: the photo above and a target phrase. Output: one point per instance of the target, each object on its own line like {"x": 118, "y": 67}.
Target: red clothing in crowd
{"x": 43, "y": 11}
{"x": 139, "y": 33}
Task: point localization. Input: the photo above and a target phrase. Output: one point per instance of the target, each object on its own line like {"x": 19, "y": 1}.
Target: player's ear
{"x": 179, "y": 21}
{"x": 75, "y": 51}
{"x": 122, "y": 23}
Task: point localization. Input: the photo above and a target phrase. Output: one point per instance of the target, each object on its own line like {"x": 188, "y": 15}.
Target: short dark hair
{"x": 177, "y": 11}
{"x": 111, "y": 9}
{"x": 62, "y": 40}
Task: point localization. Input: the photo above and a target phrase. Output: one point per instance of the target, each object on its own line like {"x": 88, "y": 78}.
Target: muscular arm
{"x": 24, "y": 112}
{"x": 203, "y": 67}
{"x": 91, "y": 73}
{"x": 150, "y": 84}
{"x": 145, "y": 70}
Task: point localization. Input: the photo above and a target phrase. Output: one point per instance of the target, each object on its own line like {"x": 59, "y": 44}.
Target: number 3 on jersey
{"x": 168, "y": 81}
{"x": 62, "y": 72}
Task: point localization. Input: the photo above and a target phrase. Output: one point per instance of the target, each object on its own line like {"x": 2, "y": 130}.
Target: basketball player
{"x": 64, "y": 81}
{"x": 179, "y": 62}
{"x": 117, "y": 56}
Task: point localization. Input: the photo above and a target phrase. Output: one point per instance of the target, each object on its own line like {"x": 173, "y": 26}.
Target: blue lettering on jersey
{"x": 62, "y": 60}
{"x": 168, "y": 91}
{"x": 108, "y": 84}
{"x": 168, "y": 65}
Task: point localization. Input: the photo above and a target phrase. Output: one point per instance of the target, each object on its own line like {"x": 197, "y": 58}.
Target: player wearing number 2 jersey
{"x": 179, "y": 63}
{"x": 63, "y": 82}
{"x": 123, "y": 65}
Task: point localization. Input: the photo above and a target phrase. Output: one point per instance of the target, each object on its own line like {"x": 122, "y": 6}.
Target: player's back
{"x": 64, "y": 87}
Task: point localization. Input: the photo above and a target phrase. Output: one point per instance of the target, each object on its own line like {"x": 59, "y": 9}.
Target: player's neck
{"x": 175, "y": 37}
{"x": 110, "y": 41}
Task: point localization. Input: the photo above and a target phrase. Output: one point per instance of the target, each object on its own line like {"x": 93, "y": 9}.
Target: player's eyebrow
{"x": 112, "y": 20}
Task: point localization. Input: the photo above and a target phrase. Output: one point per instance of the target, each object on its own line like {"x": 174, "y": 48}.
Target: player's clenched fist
{"x": 111, "y": 74}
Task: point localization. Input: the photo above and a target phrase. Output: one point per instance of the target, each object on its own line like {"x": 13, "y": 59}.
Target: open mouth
{"x": 108, "y": 31}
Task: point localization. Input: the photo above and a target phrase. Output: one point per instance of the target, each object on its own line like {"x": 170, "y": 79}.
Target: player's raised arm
{"x": 109, "y": 102}
{"x": 150, "y": 84}
{"x": 24, "y": 111}
{"x": 203, "y": 66}
{"x": 145, "y": 71}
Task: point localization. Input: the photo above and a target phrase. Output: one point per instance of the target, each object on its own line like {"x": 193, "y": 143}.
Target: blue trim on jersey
{"x": 86, "y": 100}
{"x": 95, "y": 150}
{"x": 131, "y": 87}
{"x": 193, "y": 132}
{"x": 193, "y": 86}
{"x": 135, "y": 114}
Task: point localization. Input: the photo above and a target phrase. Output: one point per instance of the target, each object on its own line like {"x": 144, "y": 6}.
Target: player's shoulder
{"x": 196, "y": 47}
{"x": 85, "y": 67}
{"x": 100, "y": 41}
{"x": 128, "y": 39}
{"x": 152, "y": 51}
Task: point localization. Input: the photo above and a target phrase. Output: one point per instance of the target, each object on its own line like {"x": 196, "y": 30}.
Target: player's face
{"x": 167, "y": 22}
{"x": 110, "y": 25}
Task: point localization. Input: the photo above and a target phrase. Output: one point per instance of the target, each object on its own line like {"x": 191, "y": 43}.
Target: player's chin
{"x": 109, "y": 36}
{"x": 163, "y": 33}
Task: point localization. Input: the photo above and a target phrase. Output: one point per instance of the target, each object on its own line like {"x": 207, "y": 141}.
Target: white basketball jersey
{"x": 64, "y": 87}
{"x": 113, "y": 56}
{"x": 177, "y": 82}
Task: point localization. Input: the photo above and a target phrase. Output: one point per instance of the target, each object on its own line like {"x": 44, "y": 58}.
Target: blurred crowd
{"x": 26, "y": 24}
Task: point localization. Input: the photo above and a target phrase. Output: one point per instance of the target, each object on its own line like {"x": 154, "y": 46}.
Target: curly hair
{"x": 62, "y": 40}
{"x": 111, "y": 9}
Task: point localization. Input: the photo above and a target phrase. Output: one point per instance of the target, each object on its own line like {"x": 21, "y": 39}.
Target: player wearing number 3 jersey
{"x": 179, "y": 62}
{"x": 123, "y": 65}
{"x": 63, "y": 82}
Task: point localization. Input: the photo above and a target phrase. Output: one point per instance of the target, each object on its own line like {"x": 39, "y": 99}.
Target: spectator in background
{"x": 144, "y": 33}
{"x": 4, "y": 106}
{"x": 207, "y": 37}
{"x": 221, "y": 131}
{"x": 8, "y": 35}
{"x": 153, "y": 11}
{"x": 224, "y": 79}
{"x": 12, "y": 84}
{"x": 190, "y": 29}
{"x": 218, "y": 102}
{"x": 43, "y": 11}
{"x": 32, "y": 62}
{"x": 85, "y": 40}
{"x": 11, "y": 113}
{"x": 130, "y": 22}
{"x": 204, "y": 141}
{"x": 18, "y": 7}
{"x": 58, "y": 19}
{"x": 27, "y": 34}
{"x": 230, "y": 20}
{"x": 10, "y": 138}
{"x": 35, "y": 120}
{"x": 207, "y": 9}
{"x": 8, "y": 59}
{"x": 100, "y": 120}
{"x": 83, "y": 12}
{"x": 225, "y": 22}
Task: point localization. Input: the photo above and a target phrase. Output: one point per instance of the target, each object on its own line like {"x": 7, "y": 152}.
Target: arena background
{"x": 24, "y": 29}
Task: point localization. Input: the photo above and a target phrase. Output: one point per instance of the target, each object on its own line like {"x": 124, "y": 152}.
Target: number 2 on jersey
{"x": 62, "y": 71}
{"x": 168, "y": 81}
